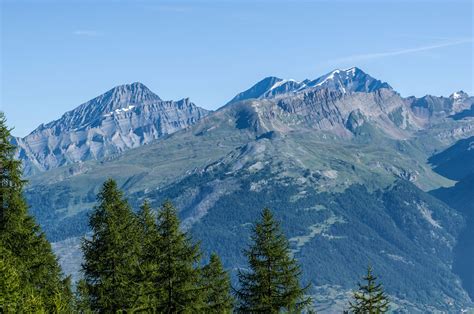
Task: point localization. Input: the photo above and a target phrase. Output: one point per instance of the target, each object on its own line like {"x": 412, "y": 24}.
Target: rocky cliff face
{"x": 343, "y": 99}
{"x": 431, "y": 106}
{"x": 127, "y": 116}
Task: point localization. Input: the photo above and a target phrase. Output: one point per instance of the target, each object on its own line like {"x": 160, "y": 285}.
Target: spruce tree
{"x": 176, "y": 256}
{"x": 147, "y": 265}
{"x": 82, "y": 299}
{"x": 217, "y": 289}
{"x": 271, "y": 285}
{"x": 28, "y": 249}
{"x": 111, "y": 255}
{"x": 370, "y": 297}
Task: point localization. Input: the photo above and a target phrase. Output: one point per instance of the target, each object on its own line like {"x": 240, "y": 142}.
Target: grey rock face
{"x": 337, "y": 101}
{"x": 127, "y": 116}
{"x": 437, "y": 107}
{"x": 330, "y": 111}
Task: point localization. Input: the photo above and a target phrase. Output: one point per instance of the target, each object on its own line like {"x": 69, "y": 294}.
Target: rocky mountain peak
{"x": 124, "y": 117}
{"x": 345, "y": 81}
{"x": 257, "y": 90}
{"x": 134, "y": 92}
{"x": 349, "y": 80}
{"x": 459, "y": 96}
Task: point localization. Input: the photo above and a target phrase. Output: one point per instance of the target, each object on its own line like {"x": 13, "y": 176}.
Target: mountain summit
{"x": 121, "y": 98}
{"x": 124, "y": 117}
{"x": 345, "y": 81}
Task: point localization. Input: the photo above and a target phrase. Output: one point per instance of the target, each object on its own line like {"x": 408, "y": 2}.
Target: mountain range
{"x": 357, "y": 174}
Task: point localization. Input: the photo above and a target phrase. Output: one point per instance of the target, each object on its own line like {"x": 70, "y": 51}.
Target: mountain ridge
{"x": 348, "y": 80}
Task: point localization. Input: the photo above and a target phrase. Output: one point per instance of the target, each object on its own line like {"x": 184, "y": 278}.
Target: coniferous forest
{"x": 143, "y": 261}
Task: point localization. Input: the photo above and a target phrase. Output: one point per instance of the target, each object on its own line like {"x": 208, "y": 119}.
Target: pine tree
{"x": 370, "y": 297}
{"x": 82, "y": 300}
{"x": 272, "y": 283}
{"x": 217, "y": 288}
{"x": 147, "y": 264}
{"x": 111, "y": 255}
{"x": 28, "y": 249}
{"x": 176, "y": 257}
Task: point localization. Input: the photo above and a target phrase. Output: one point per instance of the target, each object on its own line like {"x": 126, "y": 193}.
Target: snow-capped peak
{"x": 349, "y": 80}
{"x": 282, "y": 82}
{"x": 352, "y": 71}
{"x": 459, "y": 95}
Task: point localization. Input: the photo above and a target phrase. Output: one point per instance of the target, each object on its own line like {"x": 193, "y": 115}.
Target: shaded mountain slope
{"x": 457, "y": 162}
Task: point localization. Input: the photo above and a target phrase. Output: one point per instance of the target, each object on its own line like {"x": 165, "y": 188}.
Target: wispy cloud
{"x": 405, "y": 51}
{"x": 87, "y": 33}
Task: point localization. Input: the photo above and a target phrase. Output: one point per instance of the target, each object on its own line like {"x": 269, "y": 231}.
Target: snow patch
{"x": 119, "y": 110}
{"x": 280, "y": 83}
{"x": 350, "y": 71}
{"x": 457, "y": 95}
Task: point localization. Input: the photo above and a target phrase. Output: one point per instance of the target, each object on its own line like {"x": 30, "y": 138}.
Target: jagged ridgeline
{"x": 342, "y": 160}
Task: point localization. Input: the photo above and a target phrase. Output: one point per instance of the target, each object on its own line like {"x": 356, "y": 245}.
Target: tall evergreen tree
{"x": 111, "y": 255}
{"x": 176, "y": 257}
{"x": 148, "y": 267}
{"x": 370, "y": 297}
{"x": 272, "y": 283}
{"x": 28, "y": 249}
{"x": 82, "y": 299}
{"x": 217, "y": 289}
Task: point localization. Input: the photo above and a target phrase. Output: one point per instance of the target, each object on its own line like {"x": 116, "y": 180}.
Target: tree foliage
{"x": 148, "y": 267}
{"x": 177, "y": 257}
{"x": 31, "y": 276}
{"x": 271, "y": 285}
{"x": 370, "y": 297}
{"x": 111, "y": 255}
{"x": 217, "y": 288}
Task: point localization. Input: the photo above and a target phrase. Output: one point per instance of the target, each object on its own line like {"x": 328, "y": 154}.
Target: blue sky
{"x": 56, "y": 55}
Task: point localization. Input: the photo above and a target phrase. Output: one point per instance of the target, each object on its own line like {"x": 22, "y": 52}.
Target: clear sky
{"x": 56, "y": 55}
